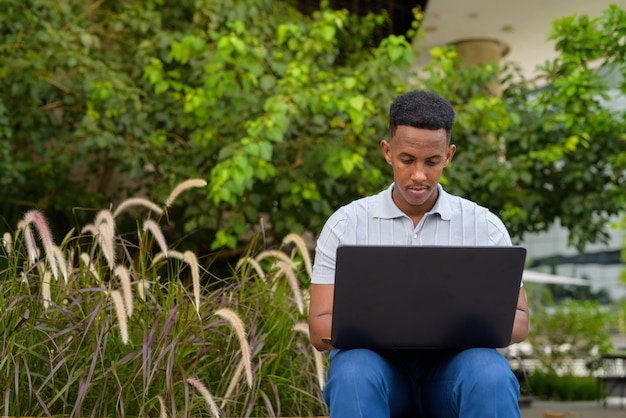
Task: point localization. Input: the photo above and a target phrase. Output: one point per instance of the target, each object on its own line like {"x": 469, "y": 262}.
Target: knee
{"x": 364, "y": 380}
{"x": 356, "y": 367}
{"x": 487, "y": 368}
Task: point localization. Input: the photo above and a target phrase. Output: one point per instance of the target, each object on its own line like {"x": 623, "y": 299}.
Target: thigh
{"x": 367, "y": 380}
{"x": 475, "y": 382}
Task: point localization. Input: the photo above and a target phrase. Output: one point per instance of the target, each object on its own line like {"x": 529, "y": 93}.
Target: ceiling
{"x": 521, "y": 24}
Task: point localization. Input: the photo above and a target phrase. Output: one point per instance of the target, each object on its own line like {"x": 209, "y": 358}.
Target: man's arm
{"x": 522, "y": 319}
{"x": 320, "y": 314}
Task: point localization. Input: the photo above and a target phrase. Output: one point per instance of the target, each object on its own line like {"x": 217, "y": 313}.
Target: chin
{"x": 419, "y": 202}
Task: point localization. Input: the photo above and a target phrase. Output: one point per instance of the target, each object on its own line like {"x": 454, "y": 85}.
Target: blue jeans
{"x": 473, "y": 383}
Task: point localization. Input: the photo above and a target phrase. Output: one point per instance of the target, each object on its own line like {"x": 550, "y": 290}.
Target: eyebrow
{"x": 432, "y": 157}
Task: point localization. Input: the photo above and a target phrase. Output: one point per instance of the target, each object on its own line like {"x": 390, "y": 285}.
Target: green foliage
{"x": 282, "y": 114}
{"x": 74, "y": 112}
{"x": 282, "y": 120}
{"x": 548, "y": 385}
{"x": 88, "y": 331}
{"x": 271, "y": 107}
{"x": 622, "y": 277}
{"x": 621, "y": 226}
{"x": 574, "y": 330}
{"x": 553, "y": 152}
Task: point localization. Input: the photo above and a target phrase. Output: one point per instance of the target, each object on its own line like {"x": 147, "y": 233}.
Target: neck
{"x": 416, "y": 212}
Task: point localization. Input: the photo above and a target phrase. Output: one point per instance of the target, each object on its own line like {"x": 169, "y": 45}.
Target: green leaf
{"x": 161, "y": 87}
{"x": 357, "y": 102}
{"x": 396, "y": 52}
{"x": 436, "y": 52}
{"x": 328, "y": 33}
{"x": 347, "y": 164}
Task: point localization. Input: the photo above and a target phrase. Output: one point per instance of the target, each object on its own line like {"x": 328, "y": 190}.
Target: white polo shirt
{"x": 376, "y": 220}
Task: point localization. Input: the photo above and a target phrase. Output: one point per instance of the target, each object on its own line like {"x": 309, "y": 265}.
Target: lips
{"x": 417, "y": 188}
{"x": 417, "y": 191}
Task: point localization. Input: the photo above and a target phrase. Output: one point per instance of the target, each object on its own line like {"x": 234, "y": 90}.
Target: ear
{"x": 450, "y": 154}
{"x": 386, "y": 147}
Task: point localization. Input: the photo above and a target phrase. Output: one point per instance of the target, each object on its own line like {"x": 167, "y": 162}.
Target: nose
{"x": 418, "y": 173}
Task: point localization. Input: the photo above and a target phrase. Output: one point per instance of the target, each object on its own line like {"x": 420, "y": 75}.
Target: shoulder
{"x": 483, "y": 218}
{"x": 360, "y": 208}
{"x": 458, "y": 204}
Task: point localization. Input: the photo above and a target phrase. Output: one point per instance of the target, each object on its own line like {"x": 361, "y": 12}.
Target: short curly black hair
{"x": 421, "y": 109}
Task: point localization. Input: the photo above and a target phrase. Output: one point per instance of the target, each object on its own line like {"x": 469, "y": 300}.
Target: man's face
{"x": 417, "y": 157}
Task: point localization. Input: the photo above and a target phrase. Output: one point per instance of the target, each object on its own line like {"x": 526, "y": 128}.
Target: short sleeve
{"x": 326, "y": 249}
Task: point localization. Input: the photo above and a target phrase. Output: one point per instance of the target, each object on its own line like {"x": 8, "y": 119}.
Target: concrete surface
{"x": 592, "y": 409}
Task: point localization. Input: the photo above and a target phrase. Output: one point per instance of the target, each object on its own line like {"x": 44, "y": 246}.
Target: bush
{"x": 547, "y": 385}
{"x": 571, "y": 331}
{"x": 112, "y": 323}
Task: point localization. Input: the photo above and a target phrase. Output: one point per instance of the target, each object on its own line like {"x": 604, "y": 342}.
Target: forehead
{"x": 417, "y": 138}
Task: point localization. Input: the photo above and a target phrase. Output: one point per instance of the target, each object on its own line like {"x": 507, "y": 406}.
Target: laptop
{"x": 433, "y": 297}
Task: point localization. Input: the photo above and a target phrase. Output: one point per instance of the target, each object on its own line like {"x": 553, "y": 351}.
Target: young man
{"x": 414, "y": 210}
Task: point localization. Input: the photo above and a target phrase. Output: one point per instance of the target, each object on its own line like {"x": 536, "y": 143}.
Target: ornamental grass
{"x": 117, "y": 323}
